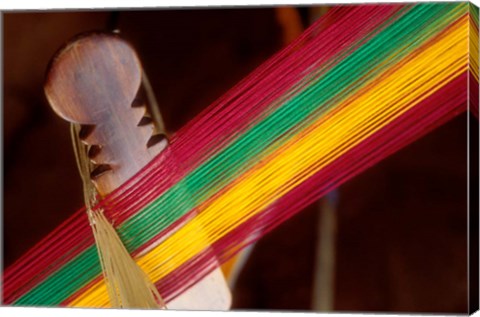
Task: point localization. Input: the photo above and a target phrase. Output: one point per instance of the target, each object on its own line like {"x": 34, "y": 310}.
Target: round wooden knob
{"x": 93, "y": 76}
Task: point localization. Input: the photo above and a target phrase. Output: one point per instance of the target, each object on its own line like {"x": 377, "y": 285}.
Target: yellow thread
{"x": 473, "y": 48}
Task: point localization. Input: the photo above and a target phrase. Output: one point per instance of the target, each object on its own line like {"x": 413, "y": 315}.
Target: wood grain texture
{"x": 94, "y": 81}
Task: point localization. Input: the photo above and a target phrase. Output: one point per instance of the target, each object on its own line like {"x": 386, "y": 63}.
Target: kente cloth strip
{"x": 343, "y": 96}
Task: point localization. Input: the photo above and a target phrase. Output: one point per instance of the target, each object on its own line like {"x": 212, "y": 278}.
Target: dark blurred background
{"x": 400, "y": 228}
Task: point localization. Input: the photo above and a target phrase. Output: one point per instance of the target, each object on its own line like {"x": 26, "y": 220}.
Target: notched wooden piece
{"x": 93, "y": 81}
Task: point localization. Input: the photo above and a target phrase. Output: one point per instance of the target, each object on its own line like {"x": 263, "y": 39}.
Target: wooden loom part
{"x": 93, "y": 81}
